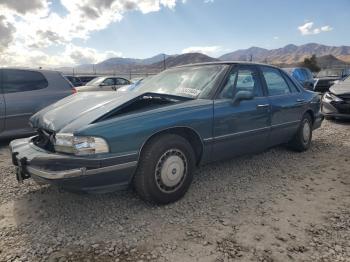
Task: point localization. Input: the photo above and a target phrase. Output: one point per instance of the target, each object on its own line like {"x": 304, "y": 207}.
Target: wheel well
{"x": 189, "y": 134}
{"x": 311, "y": 113}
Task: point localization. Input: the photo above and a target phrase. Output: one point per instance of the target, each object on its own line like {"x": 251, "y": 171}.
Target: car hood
{"x": 79, "y": 110}
{"x": 341, "y": 88}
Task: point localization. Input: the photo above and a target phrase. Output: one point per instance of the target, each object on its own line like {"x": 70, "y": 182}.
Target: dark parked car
{"x": 75, "y": 81}
{"x": 104, "y": 83}
{"x": 303, "y": 75}
{"x": 336, "y": 102}
{"x": 86, "y": 78}
{"x": 327, "y": 77}
{"x": 154, "y": 138}
{"x": 24, "y": 92}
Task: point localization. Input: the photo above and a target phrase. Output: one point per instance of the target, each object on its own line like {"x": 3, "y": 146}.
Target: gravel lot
{"x": 275, "y": 206}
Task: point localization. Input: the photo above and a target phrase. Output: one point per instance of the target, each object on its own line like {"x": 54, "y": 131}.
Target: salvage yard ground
{"x": 275, "y": 206}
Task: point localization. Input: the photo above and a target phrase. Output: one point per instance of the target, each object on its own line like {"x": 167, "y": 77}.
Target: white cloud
{"x": 207, "y": 50}
{"x": 309, "y": 29}
{"x": 276, "y": 37}
{"x": 18, "y": 55}
{"x": 31, "y": 25}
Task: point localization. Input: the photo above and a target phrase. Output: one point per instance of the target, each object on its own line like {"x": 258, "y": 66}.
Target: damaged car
{"x": 336, "y": 102}
{"x": 155, "y": 137}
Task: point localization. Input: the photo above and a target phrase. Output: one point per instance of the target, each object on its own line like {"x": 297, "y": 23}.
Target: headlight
{"x": 80, "y": 145}
{"x": 330, "y": 97}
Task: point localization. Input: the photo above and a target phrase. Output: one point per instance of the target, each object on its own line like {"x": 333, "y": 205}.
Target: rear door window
{"x": 276, "y": 85}
{"x": 121, "y": 81}
{"x": 15, "y": 80}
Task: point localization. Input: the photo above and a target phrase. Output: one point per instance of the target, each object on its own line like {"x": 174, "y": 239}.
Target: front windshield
{"x": 95, "y": 81}
{"x": 192, "y": 81}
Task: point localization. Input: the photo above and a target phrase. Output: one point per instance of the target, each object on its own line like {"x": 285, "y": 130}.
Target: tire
{"x": 165, "y": 169}
{"x": 302, "y": 139}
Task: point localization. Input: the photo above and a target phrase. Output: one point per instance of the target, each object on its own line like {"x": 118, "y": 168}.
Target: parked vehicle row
{"x": 154, "y": 137}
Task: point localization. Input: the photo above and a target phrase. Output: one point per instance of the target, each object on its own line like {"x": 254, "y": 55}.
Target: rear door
{"x": 22, "y": 93}
{"x": 119, "y": 82}
{"x": 287, "y": 105}
{"x": 2, "y": 105}
{"x": 108, "y": 84}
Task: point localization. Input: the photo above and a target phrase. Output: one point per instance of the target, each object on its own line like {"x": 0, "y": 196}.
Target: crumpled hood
{"x": 78, "y": 110}
{"x": 341, "y": 88}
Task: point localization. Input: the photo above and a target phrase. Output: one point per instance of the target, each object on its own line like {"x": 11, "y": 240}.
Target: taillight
{"x": 74, "y": 90}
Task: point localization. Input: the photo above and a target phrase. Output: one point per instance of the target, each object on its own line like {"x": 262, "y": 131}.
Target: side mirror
{"x": 103, "y": 84}
{"x": 242, "y": 95}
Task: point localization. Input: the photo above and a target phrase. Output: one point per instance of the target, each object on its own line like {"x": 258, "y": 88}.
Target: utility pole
{"x": 251, "y": 58}
{"x": 164, "y": 65}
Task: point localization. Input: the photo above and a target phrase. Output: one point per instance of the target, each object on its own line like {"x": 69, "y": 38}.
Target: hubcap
{"x": 306, "y": 131}
{"x": 171, "y": 170}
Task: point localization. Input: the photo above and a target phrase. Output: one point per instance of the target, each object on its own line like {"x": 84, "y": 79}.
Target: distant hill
{"x": 121, "y": 64}
{"x": 151, "y": 65}
{"x": 289, "y": 54}
{"x": 329, "y": 61}
{"x": 184, "y": 59}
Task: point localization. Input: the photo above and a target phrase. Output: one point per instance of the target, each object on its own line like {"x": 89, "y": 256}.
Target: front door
{"x": 287, "y": 105}
{"x": 241, "y": 127}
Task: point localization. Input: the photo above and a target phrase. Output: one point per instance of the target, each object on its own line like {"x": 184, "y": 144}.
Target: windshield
{"x": 95, "y": 81}
{"x": 191, "y": 82}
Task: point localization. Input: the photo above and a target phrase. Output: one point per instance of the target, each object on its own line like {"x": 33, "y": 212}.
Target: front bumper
{"x": 337, "y": 110}
{"x": 71, "y": 172}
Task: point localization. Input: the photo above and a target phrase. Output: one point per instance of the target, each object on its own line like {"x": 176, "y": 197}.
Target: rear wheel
{"x": 165, "y": 170}
{"x": 302, "y": 139}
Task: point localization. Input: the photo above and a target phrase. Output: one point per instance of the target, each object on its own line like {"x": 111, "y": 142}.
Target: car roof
{"x": 227, "y": 63}
{"x": 31, "y": 69}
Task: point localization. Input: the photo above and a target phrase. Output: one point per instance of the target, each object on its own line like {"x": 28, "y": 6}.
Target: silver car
{"x": 24, "y": 92}
{"x": 104, "y": 83}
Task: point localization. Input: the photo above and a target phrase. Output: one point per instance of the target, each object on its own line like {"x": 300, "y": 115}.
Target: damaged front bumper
{"x": 71, "y": 172}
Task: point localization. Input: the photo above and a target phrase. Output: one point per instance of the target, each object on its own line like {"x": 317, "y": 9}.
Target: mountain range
{"x": 290, "y": 55}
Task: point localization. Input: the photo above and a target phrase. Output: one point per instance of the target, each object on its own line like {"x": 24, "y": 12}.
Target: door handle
{"x": 263, "y": 106}
{"x": 300, "y": 100}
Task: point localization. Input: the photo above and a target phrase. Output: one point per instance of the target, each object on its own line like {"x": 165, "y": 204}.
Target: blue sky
{"x": 70, "y": 32}
{"x": 230, "y": 24}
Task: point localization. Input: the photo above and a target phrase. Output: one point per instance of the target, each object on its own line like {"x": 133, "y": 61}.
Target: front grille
{"x": 45, "y": 140}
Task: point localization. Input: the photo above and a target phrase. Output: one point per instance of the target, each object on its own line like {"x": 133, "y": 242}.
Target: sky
{"x": 53, "y": 33}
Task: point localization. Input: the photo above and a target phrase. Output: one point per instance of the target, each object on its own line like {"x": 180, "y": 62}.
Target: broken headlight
{"x": 80, "y": 145}
{"x": 330, "y": 97}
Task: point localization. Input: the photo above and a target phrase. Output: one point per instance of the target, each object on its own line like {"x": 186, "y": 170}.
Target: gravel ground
{"x": 275, "y": 206}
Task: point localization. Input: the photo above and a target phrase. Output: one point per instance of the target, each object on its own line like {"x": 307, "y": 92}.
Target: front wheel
{"x": 302, "y": 139}
{"x": 165, "y": 170}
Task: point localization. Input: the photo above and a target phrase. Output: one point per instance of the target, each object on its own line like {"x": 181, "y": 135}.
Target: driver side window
{"x": 243, "y": 79}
